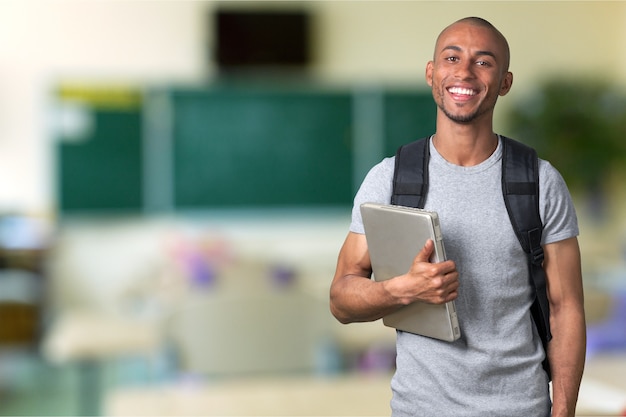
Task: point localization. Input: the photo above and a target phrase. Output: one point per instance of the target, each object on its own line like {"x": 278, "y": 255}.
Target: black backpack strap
{"x": 520, "y": 187}
{"x": 410, "y": 178}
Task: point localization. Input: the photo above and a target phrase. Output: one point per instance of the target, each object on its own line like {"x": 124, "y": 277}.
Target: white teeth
{"x": 463, "y": 91}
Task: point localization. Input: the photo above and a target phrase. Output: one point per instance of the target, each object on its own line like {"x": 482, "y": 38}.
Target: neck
{"x": 465, "y": 145}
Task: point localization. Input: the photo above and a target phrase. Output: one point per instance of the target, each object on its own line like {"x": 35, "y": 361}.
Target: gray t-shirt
{"x": 495, "y": 368}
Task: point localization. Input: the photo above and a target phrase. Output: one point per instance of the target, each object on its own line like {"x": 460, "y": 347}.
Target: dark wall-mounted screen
{"x": 261, "y": 39}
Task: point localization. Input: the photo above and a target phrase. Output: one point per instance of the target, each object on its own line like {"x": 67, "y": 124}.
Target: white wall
{"x": 161, "y": 41}
{"x": 106, "y": 41}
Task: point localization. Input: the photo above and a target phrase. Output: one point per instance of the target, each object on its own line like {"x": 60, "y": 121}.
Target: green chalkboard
{"x": 259, "y": 147}
{"x": 409, "y": 115}
{"x": 231, "y": 147}
{"x": 102, "y": 171}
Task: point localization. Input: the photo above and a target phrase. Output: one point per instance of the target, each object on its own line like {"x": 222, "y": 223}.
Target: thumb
{"x": 426, "y": 252}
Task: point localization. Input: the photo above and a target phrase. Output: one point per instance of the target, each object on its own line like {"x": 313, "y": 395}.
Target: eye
{"x": 484, "y": 63}
{"x": 452, "y": 59}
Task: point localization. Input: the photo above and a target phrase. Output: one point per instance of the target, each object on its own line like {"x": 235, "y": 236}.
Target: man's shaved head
{"x": 478, "y": 21}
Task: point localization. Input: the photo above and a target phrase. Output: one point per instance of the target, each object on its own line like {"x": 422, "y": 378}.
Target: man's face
{"x": 468, "y": 72}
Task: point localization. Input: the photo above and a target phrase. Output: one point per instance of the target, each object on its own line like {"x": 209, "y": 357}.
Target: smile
{"x": 461, "y": 91}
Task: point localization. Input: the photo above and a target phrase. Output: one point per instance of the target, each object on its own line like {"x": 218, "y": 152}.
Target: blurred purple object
{"x": 609, "y": 335}
{"x": 283, "y": 276}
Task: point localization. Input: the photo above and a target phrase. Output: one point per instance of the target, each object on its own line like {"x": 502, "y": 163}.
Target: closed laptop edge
{"x": 395, "y": 234}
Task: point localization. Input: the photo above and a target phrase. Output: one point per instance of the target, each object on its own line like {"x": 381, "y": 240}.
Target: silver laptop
{"x": 395, "y": 235}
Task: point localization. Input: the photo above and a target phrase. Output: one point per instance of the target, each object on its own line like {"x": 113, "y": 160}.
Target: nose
{"x": 465, "y": 70}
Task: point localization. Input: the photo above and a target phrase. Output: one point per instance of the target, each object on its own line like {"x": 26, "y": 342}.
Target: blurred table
{"x": 88, "y": 339}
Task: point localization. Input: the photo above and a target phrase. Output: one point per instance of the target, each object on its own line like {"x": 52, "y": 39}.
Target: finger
{"x": 425, "y": 253}
{"x": 451, "y": 296}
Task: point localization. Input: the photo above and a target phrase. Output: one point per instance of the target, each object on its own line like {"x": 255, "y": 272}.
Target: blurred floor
{"x": 29, "y": 386}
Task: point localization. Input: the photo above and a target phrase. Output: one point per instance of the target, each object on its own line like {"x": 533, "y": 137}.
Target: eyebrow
{"x": 458, "y": 49}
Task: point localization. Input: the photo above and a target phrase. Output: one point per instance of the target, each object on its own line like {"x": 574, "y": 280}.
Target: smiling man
{"x": 495, "y": 368}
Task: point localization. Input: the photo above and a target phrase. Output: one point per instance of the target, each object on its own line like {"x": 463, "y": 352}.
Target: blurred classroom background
{"x": 176, "y": 181}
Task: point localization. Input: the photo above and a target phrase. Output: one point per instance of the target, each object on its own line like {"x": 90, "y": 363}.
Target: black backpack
{"x": 520, "y": 188}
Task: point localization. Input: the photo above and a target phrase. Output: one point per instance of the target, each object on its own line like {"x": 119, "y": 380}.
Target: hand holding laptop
{"x": 434, "y": 283}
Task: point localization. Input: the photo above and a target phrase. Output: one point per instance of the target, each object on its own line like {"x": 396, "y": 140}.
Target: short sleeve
{"x": 375, "y": 188}
{"x": 556, "y": 206}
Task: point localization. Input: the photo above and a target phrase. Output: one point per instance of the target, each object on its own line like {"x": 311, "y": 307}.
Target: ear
{"x": 506, "y": 84}
{"x": 429, "y": 73}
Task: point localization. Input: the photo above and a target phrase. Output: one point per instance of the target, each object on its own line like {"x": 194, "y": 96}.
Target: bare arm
{"x": 566, "y": 351}
{"x": 355, "y": 297}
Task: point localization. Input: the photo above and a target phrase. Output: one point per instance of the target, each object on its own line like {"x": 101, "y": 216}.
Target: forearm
{"x": 566, "y": 350}
{"x": 354, "y": 296}
{"x": 566, "y": 353}
{"x": 356, "y": 299}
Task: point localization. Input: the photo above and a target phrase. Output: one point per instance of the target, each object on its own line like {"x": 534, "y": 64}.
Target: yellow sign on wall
{"x": 101, "y": 96}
